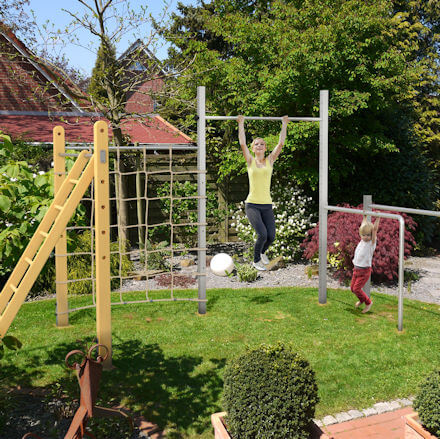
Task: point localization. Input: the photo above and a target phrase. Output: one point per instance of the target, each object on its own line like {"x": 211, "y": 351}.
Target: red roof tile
{"x": 80, "y": 129}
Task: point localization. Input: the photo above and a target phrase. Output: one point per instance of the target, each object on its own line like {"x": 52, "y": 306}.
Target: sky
{"x": 83, "y": 58}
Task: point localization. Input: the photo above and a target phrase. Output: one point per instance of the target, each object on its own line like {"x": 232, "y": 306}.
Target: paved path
{"x": 389, "y": 425}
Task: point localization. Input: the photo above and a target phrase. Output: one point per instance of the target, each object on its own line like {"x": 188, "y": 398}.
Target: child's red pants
{"x": 359, "y": 279}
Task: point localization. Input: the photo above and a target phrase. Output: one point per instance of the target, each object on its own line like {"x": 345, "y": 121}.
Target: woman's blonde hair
{"x": 366, "y": 228}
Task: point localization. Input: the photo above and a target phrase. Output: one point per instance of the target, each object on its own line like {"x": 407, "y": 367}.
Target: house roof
{"x": 79, "y": 128}
{"x": 45, "y": 73}
{"x": 22, "y": 119}
{"x": 141, "y": 48}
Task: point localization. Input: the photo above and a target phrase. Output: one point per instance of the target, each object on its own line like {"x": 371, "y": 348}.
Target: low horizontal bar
{"x": 305, "y": 119}
{"x": 406, "y": 210}
{"x": 363, "y": 212}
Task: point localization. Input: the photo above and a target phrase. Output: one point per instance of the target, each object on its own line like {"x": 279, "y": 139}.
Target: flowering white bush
{"x": 292, "y": 220}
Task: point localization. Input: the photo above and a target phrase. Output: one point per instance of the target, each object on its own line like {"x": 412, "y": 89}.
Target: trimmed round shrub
{"x": 269, "y": 392}
{"x": 427, "y": 403}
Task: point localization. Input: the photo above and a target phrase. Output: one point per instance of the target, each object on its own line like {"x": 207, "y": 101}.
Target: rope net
{"x": 153, "y": 226}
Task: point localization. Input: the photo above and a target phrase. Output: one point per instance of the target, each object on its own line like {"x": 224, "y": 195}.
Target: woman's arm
{"x": 242, "y": 140}
{"x": 277, "y": 150}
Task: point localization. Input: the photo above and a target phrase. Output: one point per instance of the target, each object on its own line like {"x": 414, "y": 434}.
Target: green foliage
{"x": 155, "y": 258}
{"x": 24, "y": 199}
{"x": 419, "y": 21}
{"x": 427, "y": 403}
{"x": 270, "y": 391}
{"x": 376, "y": 58}
{"x": 184, "y": 210}
{"x": 106, "y": 66}
{"x": 246, "y": 272}
{"x": 79, "y": 266}
{"x": 9, "y": 342}
{"x": 25, "y": 195}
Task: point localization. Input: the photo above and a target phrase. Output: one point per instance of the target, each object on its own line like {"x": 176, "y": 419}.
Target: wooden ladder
{"x": 44, "y": 240}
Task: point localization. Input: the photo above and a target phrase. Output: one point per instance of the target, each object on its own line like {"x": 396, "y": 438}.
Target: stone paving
{"x": 377, "y": 409}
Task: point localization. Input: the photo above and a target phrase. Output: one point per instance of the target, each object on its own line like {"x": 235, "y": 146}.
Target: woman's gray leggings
{"x": 262, "y": 220}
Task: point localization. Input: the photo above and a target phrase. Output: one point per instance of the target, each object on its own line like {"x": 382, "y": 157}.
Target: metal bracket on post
{"x": 102, "y": 156}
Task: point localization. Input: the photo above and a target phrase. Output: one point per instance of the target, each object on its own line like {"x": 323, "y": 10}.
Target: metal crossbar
{"x": 293, "y": 119}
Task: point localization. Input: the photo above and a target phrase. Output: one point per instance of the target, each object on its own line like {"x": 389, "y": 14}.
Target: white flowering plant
{"x": 293, "y": 217}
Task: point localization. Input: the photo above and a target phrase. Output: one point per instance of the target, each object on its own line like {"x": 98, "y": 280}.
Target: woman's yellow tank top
{"x": 259, "y": 183}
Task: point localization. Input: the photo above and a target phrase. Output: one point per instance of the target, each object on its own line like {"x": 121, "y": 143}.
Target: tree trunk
{"x": 122, "y": 182}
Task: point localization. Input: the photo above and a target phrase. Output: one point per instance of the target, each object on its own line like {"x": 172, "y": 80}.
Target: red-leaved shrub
{"x": 343, "y": 237}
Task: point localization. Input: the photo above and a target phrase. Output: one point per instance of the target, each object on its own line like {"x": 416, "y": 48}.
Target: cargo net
{"x": 153, "y": 228}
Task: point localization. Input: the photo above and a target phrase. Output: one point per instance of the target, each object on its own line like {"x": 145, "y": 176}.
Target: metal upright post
{"x": 201, "y": 192}
{"x": 323, "y": 193}
{"x": 59, "y": 171}
{"x": 367, "y": 202}
{"x": 401, "y": 272}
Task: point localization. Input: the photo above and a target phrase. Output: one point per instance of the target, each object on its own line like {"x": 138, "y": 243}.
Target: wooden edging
{"x": 220, "y": 431}
{"x": 413, "y": 427}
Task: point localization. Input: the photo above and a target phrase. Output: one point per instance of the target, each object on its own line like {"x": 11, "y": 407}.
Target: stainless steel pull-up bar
{"x": 297, "y": 119}
{"x": 401, "y": 248}
{"x": 406, "y": 210}
{"x": 202, "y": 117}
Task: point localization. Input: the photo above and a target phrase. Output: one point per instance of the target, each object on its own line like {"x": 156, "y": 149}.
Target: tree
{"x": 12, "y": 14}
{"x": 272, "y": 57}
{"x": 96, "y": 88}
{"x": 421, "y": 19}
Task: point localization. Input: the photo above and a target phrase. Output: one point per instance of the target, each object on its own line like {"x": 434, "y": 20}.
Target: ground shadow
{"x": 259, "y": 300}
{"x": 169, "y": 391}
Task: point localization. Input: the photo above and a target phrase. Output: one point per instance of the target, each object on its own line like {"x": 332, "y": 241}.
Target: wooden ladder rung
{"x": 57, "y": 206}
{"x": 28, "y": 260}
{"x": 13, "y": 288}
{"x": 73, "y": 181}
{"x": 44, "y": 234}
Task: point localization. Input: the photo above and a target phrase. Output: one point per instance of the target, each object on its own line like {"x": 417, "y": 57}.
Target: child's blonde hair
{"x": 366, "y": 228}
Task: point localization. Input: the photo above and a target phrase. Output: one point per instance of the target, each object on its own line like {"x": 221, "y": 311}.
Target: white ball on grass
{"x": 222, "y": 264}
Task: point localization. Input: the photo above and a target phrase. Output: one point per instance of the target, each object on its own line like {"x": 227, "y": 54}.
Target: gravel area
{"x": 425, "y": 289}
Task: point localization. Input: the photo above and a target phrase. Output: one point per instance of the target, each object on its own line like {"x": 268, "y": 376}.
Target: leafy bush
{"x": 184, "y": 210}
{"x": 25, "y": 195}
{"x": 156, "y": 260}
{"x": 79, "y": 266}
{"x": 269, "y": 391}
{"x": 343, "y": 237}
{"x": 246, "y": 272}
{"x": 427, "y": 403}
{"x": 292, "y": 218}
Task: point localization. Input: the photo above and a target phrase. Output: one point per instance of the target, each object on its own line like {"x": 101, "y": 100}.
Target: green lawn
{"x": 169, "y": 360}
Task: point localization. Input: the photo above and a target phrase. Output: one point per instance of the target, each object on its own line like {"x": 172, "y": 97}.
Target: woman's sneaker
{"x": 264, "y": 259}
{"x": 259, "y": 266}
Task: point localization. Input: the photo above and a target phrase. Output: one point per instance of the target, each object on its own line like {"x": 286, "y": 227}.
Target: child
{"x": 362, "y": 260}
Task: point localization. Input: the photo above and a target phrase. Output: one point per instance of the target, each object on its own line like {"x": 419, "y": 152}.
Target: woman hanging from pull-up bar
{"x": 258, "y": 204}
